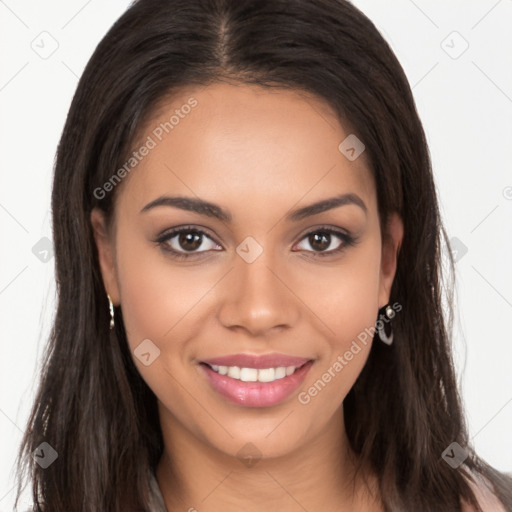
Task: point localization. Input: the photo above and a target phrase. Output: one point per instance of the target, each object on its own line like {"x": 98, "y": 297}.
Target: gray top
{"x": 484, "y": 496}
{"x": 156, "y": 499}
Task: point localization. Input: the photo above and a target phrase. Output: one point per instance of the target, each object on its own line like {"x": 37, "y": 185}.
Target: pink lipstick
{"x": 256, "y": 381}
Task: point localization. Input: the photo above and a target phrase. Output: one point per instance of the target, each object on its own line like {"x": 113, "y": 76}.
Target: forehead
{"x": 237, "y": 142}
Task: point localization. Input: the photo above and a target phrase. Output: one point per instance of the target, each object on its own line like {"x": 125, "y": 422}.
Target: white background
{"x": 465, "y": 104}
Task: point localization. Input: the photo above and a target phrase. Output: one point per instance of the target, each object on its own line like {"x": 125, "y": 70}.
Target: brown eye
{"x": 185, "y": 240}
{"x": 190, "y": 241}
{"x": 322, "y": 242}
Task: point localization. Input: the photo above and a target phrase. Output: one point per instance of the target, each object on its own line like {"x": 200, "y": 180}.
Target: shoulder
{"x": 485, "y": 496}
{"x": 156, "y": 500}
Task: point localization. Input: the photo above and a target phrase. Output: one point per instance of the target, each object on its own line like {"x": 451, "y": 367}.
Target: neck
{"x": 193, "y": 475}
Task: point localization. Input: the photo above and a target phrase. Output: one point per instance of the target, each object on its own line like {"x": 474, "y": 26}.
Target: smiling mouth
{"x": 247, "y": 374}
{"x": 256, "y": 387}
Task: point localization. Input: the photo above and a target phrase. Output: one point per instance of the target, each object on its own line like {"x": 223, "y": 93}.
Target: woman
{"x": 247, "y": 245}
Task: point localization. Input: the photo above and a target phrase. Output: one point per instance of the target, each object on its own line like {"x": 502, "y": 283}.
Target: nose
{"x": 257, "y": 297}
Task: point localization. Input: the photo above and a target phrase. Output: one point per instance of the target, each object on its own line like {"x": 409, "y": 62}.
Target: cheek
{"x": 157, "y": 302}
{"x": 344, "y": 295}
{"x": 346, "y": 301}
{"x": 157, "y": 297}
{"x": 164, "y": 303}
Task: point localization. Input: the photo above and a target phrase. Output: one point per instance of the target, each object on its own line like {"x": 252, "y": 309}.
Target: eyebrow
{"x": 208, "y": 209}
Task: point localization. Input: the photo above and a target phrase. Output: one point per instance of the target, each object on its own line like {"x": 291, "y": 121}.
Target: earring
{"x": 111, "y": 307}
{"x": 384, "y": 337}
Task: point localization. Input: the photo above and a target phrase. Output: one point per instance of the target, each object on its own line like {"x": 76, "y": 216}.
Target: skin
{"x": 257, "y": 153}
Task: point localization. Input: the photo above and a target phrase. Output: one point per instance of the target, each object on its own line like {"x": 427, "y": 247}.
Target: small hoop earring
{"x": 111, "y": 307}
{"x": 384, "y": 337}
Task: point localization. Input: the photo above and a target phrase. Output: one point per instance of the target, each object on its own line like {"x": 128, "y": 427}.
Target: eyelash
{"x": 348, "y": 241}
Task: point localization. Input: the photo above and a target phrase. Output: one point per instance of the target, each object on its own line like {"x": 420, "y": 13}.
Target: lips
{"x": 273, "y": 360}
{"x": 256, "y": 394}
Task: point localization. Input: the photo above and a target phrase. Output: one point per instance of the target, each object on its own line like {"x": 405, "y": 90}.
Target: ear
{"x": 391, "y": 242}
{"x": 106, "y": 254}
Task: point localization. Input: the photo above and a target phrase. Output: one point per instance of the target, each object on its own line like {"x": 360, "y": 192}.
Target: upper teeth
{"x": 254, "y": 374}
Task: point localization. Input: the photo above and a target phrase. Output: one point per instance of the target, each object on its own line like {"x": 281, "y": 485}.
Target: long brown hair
{"x": 92, "y": 405}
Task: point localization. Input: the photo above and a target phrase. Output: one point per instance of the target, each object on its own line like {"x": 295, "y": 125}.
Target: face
{"x": 252, "y": 272}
